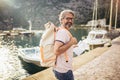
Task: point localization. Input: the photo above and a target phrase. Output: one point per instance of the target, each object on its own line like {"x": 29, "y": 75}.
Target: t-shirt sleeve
{"x": 62, "y": 36}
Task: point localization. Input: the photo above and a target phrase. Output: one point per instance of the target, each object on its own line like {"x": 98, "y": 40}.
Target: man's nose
{"x": 70, "y": 20}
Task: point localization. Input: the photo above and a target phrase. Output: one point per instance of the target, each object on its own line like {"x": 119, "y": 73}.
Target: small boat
{"x": 95, "y": 38}
{"x": 30, "y": 55}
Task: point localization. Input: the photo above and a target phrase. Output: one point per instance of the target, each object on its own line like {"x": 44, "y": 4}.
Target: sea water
{"x": 12, "y": 67}
{"x": 10, "y": 64}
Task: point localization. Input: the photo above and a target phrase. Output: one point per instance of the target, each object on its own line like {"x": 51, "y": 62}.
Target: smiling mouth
{"x": 69, "y": 24}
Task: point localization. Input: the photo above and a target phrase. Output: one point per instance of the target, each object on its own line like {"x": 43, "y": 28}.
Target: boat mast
{"x": 94, "y": 13}
{"x": 116, "y": 13}
{"x": 96, "y": 9}
{"x": 30, "y": 25}
{"x": 110, "y": 22}
{"x": 93, "y": 16}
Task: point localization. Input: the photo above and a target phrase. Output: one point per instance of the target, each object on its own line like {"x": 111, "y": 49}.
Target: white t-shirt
{"x": 61, "y": 65}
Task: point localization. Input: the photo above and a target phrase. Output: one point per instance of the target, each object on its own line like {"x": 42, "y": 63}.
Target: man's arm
{"x": 60, "y": 48}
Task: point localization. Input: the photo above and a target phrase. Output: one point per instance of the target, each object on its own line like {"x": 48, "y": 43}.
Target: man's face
{"x": 68, "y": 20}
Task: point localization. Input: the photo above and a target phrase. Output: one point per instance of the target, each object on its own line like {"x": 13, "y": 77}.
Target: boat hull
{"x": 30, "y": 55}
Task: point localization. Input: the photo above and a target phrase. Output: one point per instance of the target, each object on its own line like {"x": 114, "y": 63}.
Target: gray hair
{"x": 62, "y": 14}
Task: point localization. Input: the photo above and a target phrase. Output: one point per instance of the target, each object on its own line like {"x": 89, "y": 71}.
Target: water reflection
{"x": 32, "y": 40}
{"x": 29, "y": 40}
{"x": 10, "y": 68}
{"x": 13, "y": 66}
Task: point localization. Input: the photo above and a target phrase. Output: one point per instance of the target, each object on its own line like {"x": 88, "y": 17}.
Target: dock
{"x": 104, "y": 67}
{"x": 81, "y": 64}
{"x": 77, "y": 63}
{"x": 86, "y": 64}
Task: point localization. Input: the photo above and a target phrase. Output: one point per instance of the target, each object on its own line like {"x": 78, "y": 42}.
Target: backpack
{"x": 47, "y": 56}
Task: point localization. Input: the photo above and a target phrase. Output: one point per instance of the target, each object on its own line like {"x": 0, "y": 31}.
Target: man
{"x": 64, "y": 45}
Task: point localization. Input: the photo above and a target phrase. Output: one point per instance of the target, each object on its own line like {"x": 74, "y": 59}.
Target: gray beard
{"x": 68, "y": 24}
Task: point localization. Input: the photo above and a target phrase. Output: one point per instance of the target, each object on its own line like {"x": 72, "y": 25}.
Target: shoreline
{"x": 78, "y": 64}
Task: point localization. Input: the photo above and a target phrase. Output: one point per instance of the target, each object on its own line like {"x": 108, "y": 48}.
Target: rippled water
{"x": 10, "y": 64}
{"x": 12, "y": 67}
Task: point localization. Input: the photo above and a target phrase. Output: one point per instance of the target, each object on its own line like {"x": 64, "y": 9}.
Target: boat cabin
{"x": 99, "y": 34}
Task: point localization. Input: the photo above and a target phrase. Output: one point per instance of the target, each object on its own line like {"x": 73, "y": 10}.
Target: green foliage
{"x": 42, "y": 11}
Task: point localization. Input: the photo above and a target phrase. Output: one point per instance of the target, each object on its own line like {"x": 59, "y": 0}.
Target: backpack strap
{"x": 42, "y": 56}
{"x": 66, "y": 56}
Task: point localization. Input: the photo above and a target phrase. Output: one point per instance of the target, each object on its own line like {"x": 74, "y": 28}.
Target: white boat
{"x": 30, "y": 55}
{"x": 95, "y": 38}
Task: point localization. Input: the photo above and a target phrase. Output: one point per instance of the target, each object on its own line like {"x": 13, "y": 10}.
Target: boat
{"x": 95, "y": 38}
{"x": 30, "y": 55}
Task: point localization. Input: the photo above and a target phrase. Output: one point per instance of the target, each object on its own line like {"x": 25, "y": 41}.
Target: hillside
{"x": 42, "y": 11}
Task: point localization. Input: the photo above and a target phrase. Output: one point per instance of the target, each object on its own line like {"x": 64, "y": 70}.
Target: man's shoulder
{"x": 62, "y": 31}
